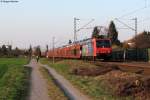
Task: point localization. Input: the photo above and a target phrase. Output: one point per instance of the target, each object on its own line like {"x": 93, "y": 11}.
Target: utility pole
{"x": 46, "y": 50}
{"x": 129, "y": 27}
{"x": 135, "y": 19}
{"x": 133, "y": 29}
{"x": 75, "y": 29}
{"x": 136, "y": 27}
{"x": 53, "y": 41}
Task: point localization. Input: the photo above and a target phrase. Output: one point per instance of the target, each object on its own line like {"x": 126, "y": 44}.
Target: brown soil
{"x": 127, "y": 84}
{"x": 122, "y": 83}
{"x": 89, "y": 71}
{"x": 139, "y": 68}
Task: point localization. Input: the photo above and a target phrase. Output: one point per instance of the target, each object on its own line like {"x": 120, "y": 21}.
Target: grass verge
{"x": 54, "y": 92}
{"x": 96, "y": 89}
{"x": 13, "y": 79}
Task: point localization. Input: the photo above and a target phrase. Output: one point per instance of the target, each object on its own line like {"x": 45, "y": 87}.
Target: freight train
{"x": 91, "y": 48}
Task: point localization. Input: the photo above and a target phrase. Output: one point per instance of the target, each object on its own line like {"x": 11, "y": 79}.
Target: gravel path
{"x": 38, "y": 85}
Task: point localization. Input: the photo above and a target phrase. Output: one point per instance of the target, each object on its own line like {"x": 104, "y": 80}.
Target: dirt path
{"x": 38, "y": 86}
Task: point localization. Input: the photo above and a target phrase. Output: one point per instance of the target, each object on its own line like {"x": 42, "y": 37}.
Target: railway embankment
{"x": 103, "y": 81}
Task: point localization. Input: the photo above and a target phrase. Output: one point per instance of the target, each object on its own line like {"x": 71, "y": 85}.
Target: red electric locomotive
{"x": 89, "y": 48}
{"x": 103, "y": 48}
{"x": 96, "y": 48}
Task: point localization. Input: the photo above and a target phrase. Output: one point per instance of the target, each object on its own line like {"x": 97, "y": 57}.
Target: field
{"x": 13, "y": 78}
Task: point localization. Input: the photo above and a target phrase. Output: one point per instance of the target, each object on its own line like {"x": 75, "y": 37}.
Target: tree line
{"x": 142, "y": 40}
{"x": 111, "y": 33}
{"x": 7, "y": 51}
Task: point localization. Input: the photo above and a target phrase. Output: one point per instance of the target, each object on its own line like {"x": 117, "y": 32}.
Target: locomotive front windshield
{"x": 103, "y": 43}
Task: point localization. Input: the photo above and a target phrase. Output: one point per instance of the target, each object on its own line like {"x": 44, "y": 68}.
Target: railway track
{"x": 135, "y": 67}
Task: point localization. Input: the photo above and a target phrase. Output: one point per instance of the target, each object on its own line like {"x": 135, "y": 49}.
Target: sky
{"x": 36, "y": 22}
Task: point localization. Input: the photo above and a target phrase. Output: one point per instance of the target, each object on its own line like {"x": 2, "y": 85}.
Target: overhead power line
{"x": 83, "y": 27}
{"x": 77, "y": 30}
{"x": 136, "y": 10}
{"x": 130, "y": 13}
{"x": 129, "y": 27}
{"x": 146, "y": 19}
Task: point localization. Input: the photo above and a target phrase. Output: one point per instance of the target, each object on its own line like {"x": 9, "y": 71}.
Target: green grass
{"x": 13, "y": 78}
{"x": 95, "y": 89}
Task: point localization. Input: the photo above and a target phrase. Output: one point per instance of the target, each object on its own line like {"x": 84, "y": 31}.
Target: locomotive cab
{"x": 103, "y": 48}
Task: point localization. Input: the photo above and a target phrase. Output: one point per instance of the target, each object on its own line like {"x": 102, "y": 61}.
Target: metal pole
{"x": 135, "y": 26}
{"x": 134, "y": 29}
{"x": 53, "y": 49}
{"x": 136, "y": 37}
{"x": 75, "y": 30}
